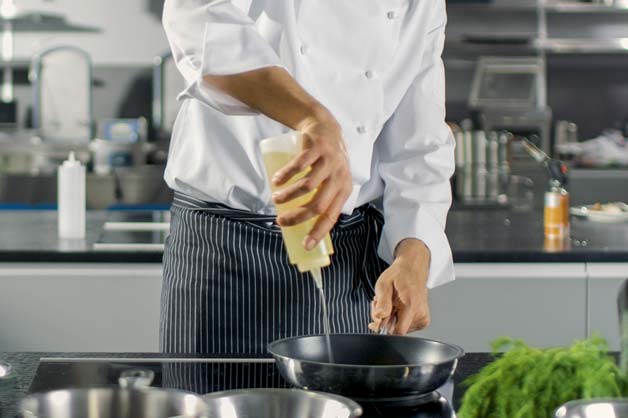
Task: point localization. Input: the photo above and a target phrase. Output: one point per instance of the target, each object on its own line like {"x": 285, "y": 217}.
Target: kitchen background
{"x": 570, "y": 85}
{"x": 585, "y": 53}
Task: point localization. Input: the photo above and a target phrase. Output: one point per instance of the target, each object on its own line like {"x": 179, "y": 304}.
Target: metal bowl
{"x": 594, "y": 408}
{"x": 366, "y": 365}
{"x": 279, "y": 403}
{"x": 114, "y": 403}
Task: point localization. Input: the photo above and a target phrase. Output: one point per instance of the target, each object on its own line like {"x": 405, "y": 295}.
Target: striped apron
{"x": 228, "y": 286}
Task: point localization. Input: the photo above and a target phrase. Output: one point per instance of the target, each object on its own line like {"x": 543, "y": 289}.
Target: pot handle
{"x": 136, "y": 378}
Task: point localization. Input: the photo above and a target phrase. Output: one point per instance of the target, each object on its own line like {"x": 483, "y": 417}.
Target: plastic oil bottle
{"x": 277, "y": 152}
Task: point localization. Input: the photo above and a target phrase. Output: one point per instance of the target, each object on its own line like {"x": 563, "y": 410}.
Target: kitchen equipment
{"x": 556, "y": 211}
{"x": 509, "y": 93}
{"x": 62, "y": 94}
{"x": 133, "y": 399}
{"x": 556, "y": 169}
{"x": 279, "y": 403}
{"x": 598, "y": 408}
{"x": 482, "y": 167}
{"x": 213, "y": 373}
{"x": 367, "y": 365}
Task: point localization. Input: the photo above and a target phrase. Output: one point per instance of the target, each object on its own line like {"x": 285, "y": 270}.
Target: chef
{"x": 363, "y": 82}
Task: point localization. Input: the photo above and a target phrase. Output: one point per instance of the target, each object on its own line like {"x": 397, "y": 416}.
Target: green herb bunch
{"x": 527, "y": 382}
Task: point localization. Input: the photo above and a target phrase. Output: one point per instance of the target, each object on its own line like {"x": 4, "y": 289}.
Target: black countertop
{"x": 475, "y": 236}
{"x": 25, "y": 366}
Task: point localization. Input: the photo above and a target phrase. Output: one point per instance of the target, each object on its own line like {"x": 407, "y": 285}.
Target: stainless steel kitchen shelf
{"x": 550, "y": 46}
{"x": 552, "y": 7}
{"x": 44, "y": 22}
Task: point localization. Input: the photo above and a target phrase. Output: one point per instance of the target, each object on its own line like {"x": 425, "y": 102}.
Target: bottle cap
{"x": 71, "y": 161}
{"x": 322, "y": 261}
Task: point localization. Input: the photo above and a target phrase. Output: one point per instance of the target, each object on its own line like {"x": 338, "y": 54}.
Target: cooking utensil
{"x": 279, "y": 403}
{"x": 133, "y": 399}
{"x": 596, "y": 408}
{"x": 366, "y": 365}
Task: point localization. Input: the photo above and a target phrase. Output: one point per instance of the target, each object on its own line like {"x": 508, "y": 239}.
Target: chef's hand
{"x": 324, "y": 151}
{"x": 401, "y": 297}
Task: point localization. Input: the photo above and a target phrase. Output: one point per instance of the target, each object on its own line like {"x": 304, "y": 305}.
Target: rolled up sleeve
{"x": 416, "y": 151}
{"x": 214, "y": 37}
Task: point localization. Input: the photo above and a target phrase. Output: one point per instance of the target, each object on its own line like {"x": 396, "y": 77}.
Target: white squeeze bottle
{"x": 71, "y": 198}
{"x": 277, "y": 152}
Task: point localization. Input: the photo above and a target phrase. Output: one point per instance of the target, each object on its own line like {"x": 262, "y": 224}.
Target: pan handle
{"x": 391, "y": 324}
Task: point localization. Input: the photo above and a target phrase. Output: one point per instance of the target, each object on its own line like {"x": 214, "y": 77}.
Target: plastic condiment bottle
{"x": 277, "y": 152}
{"x": 71, "y": 198}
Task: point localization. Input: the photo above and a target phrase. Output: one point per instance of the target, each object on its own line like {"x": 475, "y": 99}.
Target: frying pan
{"x": 366, "y": 365}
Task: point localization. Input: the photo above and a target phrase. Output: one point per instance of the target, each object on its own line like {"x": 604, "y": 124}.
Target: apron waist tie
{"x": 185, "y": 201}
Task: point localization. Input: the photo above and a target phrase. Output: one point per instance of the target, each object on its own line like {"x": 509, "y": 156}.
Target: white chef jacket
{"x": 375, "y": 64}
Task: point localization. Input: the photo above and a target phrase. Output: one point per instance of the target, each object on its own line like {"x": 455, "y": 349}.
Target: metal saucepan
{"x": 279, "y": 403}
{"x": 595, "y": 408}
{"x": 133, "y": 399}
{"x": 366, "y": 365}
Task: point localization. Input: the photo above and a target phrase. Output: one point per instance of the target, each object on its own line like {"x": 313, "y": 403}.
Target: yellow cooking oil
{"x": 277, "y": 152}
{"x": 275, "y": 158}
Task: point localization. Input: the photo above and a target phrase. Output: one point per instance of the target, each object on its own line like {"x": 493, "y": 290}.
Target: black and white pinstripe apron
{"x": 228, "y": 286}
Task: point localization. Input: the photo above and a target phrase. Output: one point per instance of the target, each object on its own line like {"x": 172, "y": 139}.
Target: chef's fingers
{"x": 305, "y": 185}
{"x": 299, "y": 163}
{"x": 327, "y": 219}
{"x": 384, "y": 289}
{"x": 405, "y": 317}
{"x": 318, "y": 206}
{"x": 375, "y": 325}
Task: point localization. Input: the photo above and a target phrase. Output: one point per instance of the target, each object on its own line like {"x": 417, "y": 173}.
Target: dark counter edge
{"x": 91, "y": 256}
{"x": 38, "y": 256}
{"x": 25, "y": 364}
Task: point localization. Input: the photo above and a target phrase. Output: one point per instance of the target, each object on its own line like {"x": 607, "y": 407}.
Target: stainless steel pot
{"x": 279, "y": 403}
{"x": 595, "y": 408}
{"x": 133, "y": 399}
{"x": 366, "y": 365}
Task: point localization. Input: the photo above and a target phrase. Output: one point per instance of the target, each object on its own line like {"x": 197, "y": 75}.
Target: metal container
{"x": 279, "y": 403}
{"x": 595, "y": 408}
{"x": 366, "y": 365}
{"x": 480, "y": 165}
{"x": 133, "y": 399}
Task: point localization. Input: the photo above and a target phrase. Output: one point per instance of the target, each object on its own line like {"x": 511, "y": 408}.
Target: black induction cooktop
{"x": 211, "y": 375}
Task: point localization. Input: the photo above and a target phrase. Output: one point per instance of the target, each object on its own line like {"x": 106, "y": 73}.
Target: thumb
{"x": 384, "y": 295}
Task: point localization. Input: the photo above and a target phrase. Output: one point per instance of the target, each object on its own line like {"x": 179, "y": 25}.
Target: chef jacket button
{"x": 361, "y": 129}
{"x": 391, "y": 15}
{"x": 368, "y": 74}
{"x": 303, "y": 49}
